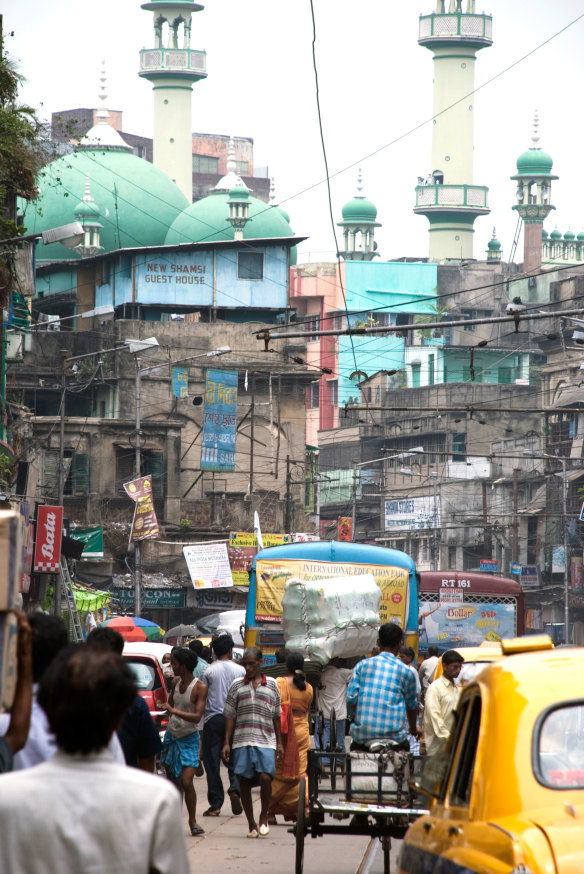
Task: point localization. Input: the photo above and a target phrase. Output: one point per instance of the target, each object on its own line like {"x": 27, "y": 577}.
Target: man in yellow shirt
{"x": 440, "y": 704}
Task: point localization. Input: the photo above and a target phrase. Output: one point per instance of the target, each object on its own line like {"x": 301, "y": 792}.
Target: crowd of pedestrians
{"x": 78, "y": 721}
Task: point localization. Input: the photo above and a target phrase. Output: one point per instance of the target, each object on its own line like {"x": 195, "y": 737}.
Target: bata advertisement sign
{"x": 271, "y": 576}
{"x": 447, "y": 625}
{"x": 47, "y": 551}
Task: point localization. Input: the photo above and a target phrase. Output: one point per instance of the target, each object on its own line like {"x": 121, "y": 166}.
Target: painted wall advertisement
{"x": 243, "y": 548}
{"x": 448, "y": 624}
{"x": 208, "y": 565}
{"x": 412, "y": 513}
{"x": 219, "y": 420}
{"x": 272, "y": 575}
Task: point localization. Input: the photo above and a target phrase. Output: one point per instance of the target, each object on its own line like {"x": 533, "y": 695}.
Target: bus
{"x": 459, "y": 609}
{"x": 393, "y": 571}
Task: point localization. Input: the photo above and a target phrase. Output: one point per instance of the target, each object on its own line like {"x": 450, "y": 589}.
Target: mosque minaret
{"x": 173, "y": 66}
{"x": 447, "y": 196}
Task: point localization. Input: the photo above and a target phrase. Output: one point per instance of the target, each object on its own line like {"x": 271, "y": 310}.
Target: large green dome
{"x": 534, "y": 162}
{"x": 207, "y": 220}
{"x": 359, "y": 209}
{"x": 137, "y": 201}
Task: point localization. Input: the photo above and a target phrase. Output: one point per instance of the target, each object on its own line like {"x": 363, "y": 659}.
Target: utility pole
{"x": 354, "y": 501}
{"x": 288, "y": 501}
{"x": 565, "y": 538}
{"x": 515, "y": 524}
{"x": 434, "y": 558}
{"x": 138, "y": 466}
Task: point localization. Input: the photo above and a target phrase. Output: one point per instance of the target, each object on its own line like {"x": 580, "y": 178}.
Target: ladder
{"x": 67, "y": 596}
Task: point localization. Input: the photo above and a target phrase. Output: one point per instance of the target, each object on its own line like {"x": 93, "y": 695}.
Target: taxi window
{"x": 559, "y": 748}
{"x": 464, "y": 760}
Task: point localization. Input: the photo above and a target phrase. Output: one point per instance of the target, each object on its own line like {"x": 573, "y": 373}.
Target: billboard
{"x": 447, "y": 624}
{"x": 219, "y": 421}
{"x": 411, "y": 514}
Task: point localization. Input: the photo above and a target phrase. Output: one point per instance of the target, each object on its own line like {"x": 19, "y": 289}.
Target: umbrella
{"x": 182, "y": 631}
{"x": 134, "y": 628}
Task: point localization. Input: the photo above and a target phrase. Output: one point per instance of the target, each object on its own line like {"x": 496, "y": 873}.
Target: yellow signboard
{"x": 271, "y": 577}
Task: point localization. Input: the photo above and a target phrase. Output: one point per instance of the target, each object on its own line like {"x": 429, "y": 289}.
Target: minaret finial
{"x": 102, "y": 114}
{"x": 273, "y": 199}
{"x": 535, "y": 134}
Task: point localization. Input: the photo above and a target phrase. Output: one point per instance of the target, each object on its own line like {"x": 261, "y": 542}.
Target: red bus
{"x": 464, "y": 609}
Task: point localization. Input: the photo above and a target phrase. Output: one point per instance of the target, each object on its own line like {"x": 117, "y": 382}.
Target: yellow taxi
{"x": 475, "y": 659}
{"x": 512, "y": 799}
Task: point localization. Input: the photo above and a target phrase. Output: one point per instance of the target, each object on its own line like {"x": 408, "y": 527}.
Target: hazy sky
{"x": 375, "y": 87}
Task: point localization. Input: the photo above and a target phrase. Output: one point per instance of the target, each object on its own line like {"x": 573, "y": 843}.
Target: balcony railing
{"x": 456, "y": 26}
{"x": 187, "y": 61}
{"x": 471, "y": 197}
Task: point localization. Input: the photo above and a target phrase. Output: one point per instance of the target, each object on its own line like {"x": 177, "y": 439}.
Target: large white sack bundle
{"x": 334, "y": 617}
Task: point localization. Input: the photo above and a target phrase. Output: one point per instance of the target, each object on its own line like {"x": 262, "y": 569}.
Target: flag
{"x": 257, "y": 530}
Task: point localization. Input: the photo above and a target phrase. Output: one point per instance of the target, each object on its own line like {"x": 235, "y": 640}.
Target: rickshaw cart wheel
{"x": 300, "y": 828}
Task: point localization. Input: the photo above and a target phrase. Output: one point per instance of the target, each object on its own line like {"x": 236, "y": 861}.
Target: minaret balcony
{"x": 190, "y": 63}
{"x": 440, "y": 198}
{"x": 455, "y": 27}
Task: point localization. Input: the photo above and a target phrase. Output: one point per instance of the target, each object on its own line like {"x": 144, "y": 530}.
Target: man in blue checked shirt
{"x": 381, "y": 694}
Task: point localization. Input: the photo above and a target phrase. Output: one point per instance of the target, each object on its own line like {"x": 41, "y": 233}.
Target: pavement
{"x": 225, "y": 846}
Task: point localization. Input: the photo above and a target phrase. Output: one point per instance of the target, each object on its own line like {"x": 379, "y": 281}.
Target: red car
{"x": 145, "y": 659}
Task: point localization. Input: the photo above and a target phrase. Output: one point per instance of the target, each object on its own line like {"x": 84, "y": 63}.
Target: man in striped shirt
{"x": 252, "y": 735}
{"x": 382, "y": 695}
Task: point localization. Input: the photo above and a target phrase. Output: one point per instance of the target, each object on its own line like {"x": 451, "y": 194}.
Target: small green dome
{"x": 544, "y": 234}
{"x": 239, "y": 192}
{"x": 569, "y": 235}
{"x": 580, "y": 236}
{"x": 493, "y": 245}
{"x": 283, "y": 213}
{"x": 555, "y": 235}
{"x": 359, "y": 209}
{"x": 138, "y": 202}
{"x": 534, "y": 162}
{"x": 208, "y": 220}
{"x": 87, "y": 209}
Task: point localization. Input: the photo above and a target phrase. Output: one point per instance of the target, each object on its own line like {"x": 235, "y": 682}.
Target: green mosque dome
{"x": 137, "y": 202}
{"x": 534, "y": 162}
{"x": 569, "y": 235}
{"x": 359, "y": 209}
{"x": 207, "y": 220}
{"x": 555, "y": 235}
{"x": 544, "y": 234}
{"x": 580, "y": 236}
{"x": 493, "y": 245}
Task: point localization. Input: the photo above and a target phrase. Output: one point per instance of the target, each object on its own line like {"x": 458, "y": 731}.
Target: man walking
{"x": 253, "y": 737}
{"x": 215, "y": 682}
{"x": 441, "y": 700}
{"x": 382, "y": 695}
{"x": 428, "y": 669}
{"x": 332, "y": 695}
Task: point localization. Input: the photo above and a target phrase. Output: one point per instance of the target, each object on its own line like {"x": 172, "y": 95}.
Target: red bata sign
{"x": 47, "y": 551}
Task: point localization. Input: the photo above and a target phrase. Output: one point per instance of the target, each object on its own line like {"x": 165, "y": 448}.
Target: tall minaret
{"x": 534, "y": 198}
{"x": 172, "y": 67}
{"x": 447, "y": 196}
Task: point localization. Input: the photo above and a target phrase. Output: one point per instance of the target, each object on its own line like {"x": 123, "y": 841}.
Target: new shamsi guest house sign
{"x": 47, "y": 551}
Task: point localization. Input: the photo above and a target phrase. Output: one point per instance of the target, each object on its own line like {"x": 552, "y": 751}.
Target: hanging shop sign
{"x": 145, "y": 523}
{"x": 47, "y": 553}
{"x": 151, "y": 598}
{"x": 208, "y": 565}
{"x": 243, "y": 548}
{"x": 92, "y": 538}
{"x": 219, "y": 421}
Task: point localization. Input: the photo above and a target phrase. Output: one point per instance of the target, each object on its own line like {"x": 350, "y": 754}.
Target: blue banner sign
{"x": 219, "y": 420}
{"x": 180, "y": 382}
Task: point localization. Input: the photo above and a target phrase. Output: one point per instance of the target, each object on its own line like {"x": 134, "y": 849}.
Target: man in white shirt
{"x": 80, "y": 810}
{"x": 428, "y": 669}
{"x": 332, "y": 695}
{"x": 441, "y": 700}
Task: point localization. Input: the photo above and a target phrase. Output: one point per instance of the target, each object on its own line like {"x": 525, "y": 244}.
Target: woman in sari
{"x": 296, "y": 698}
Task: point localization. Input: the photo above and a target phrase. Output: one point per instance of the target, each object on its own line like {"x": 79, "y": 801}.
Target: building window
{"x": 242, "y": 167}
{"x": 312, "y": 324}
{"x": 430, "y": 370}
{"x": 338, "y": 322}
{"x": 333, "y": 385}
{"x": 250, "y": 265}
{"x": 452, "y": 557}
{"x": 152, "y": 466}
{"x": 205, "y": 164}
{"x": 459, "y": 447}
{"x": 314, "y": 396}
{"x": 76, "y": 470}
{"x": 505, "y": 375}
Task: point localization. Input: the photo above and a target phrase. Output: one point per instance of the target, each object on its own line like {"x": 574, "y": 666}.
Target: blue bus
{"x": 393, "y": 571}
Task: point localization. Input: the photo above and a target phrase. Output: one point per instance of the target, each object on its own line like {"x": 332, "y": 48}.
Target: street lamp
{"x": 535, "y": 454}
{"x": 415, "y": 450}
